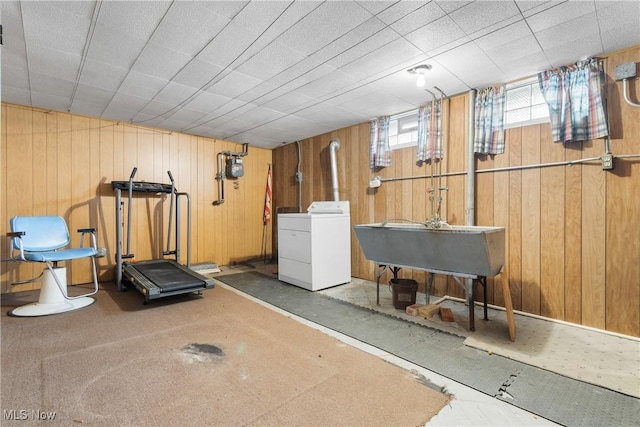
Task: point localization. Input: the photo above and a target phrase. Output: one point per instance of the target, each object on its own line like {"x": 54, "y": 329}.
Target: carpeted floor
{"x": 218, "y": 359}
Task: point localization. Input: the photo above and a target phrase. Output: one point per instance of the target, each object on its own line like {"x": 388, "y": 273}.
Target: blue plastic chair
{"x": 43, "y": 239}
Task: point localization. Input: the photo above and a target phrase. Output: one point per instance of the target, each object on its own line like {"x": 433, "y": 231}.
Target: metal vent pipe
{"x": 335, "y": 144}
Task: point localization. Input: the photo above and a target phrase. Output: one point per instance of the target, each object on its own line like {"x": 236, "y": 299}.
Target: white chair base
{"x": 51, "y": 299}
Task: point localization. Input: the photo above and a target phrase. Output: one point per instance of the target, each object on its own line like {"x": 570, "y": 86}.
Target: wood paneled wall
{"x": 62, "y": 164}
{"x": 573, "y": 240}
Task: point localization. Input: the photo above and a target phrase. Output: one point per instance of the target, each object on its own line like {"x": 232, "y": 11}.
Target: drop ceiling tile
{"x": 160, "y": 62}
{"x": 186, "y": 115}
{"x": 224, "y": 112}
{"x": 259, "y": 116}
{"x": 16, "y": 95}
{"x": 425, "y": 14}
{"x": 378, "y": 63}
{"x": 503, "y": 36}
{"x": 619, "y": 24}
{"x": 574, "y": 50}
{"x": 571, "y": 30}
{"x": 323, "y": 25}
{"x": 259, "y": 93}
{"x": 403, "y": 85}
{"x": 525, "y": 66}
{"x": 203, "y": 23}
{"x": 48, "y": 26}
{"x": 372, "y": 44}
{"x": 375, "y": 104}
{"x": 142, "y": 85}
{"x": 226, "y": 8}
{"x": 175, "y": 93}
{"x": 155, "y": 108}
{"x": 289, "y": 102}
{"x": 128, "y": 103}
{"x": 101, "y": 75}
{"x": 300, "y": 73}
{"x": 207, "y": 102}
{"x": 88, "y": 107}
{"x": 47, "y": 101}
{"x": 272, "y": 60}
{"x": 481, "y": 14}
{"x": 12, "y": 22}
{"x": 559, "y": 14}
{"x": 375, "y": 6}
{"x": 16, "y": 77}
{"x": 92, "y": 94}
{"x": 484, "y": 77}
{"x": 457, "y": 61}
{"x": 452, "y": 5}
{"x": 349, "y": 43}
{"x": 513, "y": 49}
{"x": 333, "y": 82}
{"x": 198, "y": 74}
{"x": 233, "y": 84}
{"x": 243, "y": 37}
{"x": 530, "y": 7}
{"x": 137, "y": 19}
{"x": 173, "y": 124}
{"x": 61, "y": 65}
{"x": 113, "y": 47}
{"x": 55, "y": 86}
{"x": 328, "y": 116}
{"x": 440, "y": 33}
{"x": 398, "y": 11}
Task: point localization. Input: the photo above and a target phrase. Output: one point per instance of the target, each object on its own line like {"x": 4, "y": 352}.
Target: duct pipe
{"x": 335, "y": 144}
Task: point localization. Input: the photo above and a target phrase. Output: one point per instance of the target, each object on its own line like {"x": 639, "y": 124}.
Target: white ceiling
{"x": 268, "y": 72}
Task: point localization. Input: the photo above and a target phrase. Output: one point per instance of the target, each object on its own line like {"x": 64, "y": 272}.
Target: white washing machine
{"x": 314, "y": 248}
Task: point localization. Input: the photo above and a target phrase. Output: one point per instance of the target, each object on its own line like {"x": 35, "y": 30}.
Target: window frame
{"x": 531, "y": 82}
{"x": 414, "y": 138}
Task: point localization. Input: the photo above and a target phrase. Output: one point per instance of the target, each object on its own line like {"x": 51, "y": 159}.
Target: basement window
{"x": 403, "y": 130}
{"x": 525, "y": 104}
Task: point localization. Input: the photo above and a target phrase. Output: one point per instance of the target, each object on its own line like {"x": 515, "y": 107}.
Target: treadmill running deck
{"x": 162, "y": 278}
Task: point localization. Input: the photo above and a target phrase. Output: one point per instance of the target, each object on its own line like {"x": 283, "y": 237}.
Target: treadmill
{"x": 158, "y": 278}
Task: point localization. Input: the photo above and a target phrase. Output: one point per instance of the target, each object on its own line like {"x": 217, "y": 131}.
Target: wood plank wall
{"x": 573, "y": 241}
{"x": 56, "y": 163}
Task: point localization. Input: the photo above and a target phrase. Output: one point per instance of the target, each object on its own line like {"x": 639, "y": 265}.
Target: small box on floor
{"x": 427, "y": 311}
{"x": 412, "y": 310}
{"x": 446, "y": 314}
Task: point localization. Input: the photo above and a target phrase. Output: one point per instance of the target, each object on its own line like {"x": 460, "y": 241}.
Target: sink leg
{"x": 383, "y": 268}
{"x": 484, "y": 285}
{"x": 470, "y": 301}
{"x": 429, "y": 287}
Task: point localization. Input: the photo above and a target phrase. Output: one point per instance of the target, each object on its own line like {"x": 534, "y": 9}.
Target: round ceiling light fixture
{"x": 420, "y": 71}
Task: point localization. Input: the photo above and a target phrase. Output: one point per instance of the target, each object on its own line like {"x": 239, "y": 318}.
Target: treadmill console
{"x": 141, "y": 186}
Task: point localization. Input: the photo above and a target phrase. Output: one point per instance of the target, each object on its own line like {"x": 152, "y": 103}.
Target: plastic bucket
{"x": 404, "y": 292}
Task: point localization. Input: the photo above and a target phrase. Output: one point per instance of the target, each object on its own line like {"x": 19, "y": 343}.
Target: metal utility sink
{"x": 466, "y": 250}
